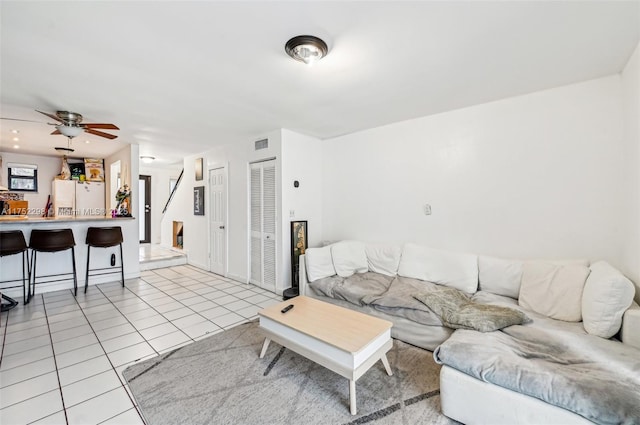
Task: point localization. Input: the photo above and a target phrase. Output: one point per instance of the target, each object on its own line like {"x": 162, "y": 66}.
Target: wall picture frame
{"x": 198, "y": 200}
{"x": 199, "y": 169}
{"x": 298, "y": 248}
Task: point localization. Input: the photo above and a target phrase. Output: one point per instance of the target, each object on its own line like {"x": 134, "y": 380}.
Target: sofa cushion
{"x": 349, "y": 258}
{"x": 607, "y": 295}
{"x": 383, "y": 259}
{"x": 500, "y": 276}
{"x": 319, "y": 263}
{"x": 457, "y": 311}
{"x": 553, "y": 290}
{"x": 456, "y": 270}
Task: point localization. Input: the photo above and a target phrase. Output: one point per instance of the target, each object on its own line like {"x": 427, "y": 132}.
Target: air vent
{"x": 262, "y": 144}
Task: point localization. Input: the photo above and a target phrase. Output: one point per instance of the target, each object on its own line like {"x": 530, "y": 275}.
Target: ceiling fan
{"x": 71, "y": 125}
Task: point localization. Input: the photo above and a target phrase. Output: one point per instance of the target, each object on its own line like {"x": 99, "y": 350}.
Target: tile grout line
{"x": 55, "y": 362}
{"x": 203, "y": 279}
{"x": 4, "y": 336}
{"x": 132, "y": 325}
{"x": 110, "y": 362}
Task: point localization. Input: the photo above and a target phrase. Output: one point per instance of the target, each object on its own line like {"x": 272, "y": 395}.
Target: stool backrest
{"x": 12, "y": 242}
{"x": 104, "y": 237}
{"x": 51, "y": 240}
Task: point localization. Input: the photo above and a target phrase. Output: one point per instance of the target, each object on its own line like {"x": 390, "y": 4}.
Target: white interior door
{"x": 263, "y": 225}
{"x": 217, "y": 214}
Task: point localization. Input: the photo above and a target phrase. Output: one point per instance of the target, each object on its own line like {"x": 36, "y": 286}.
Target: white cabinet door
{"x": 63, "y": 198}
{"x": 263, "y": 220}
{"x": 217, "y": 214}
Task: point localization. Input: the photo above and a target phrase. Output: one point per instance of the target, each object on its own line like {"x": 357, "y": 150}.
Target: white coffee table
{"x": 342, "y": 340}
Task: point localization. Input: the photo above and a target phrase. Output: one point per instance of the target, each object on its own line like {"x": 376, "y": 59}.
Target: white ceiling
{"x": 180, "y": 77}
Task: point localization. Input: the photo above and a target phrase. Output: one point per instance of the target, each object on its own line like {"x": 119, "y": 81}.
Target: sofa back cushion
{"x": 349, "y": 257}
{"x": 607, "y": 295}
{"x": 319, "y": 263}
{"x": 383, "y": 259}
{"x": 451, "y": 269}
{"x": 500, "y": 276}
{"x": 553, "y": 290}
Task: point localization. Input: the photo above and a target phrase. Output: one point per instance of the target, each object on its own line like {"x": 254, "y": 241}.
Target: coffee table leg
{"x": 352, "y": 397}
{"x": 385, "y": 362}
{"x": 264, "y": 347}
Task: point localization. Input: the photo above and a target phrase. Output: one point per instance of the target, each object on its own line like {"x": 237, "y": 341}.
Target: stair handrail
{"x": 173, "y": 192}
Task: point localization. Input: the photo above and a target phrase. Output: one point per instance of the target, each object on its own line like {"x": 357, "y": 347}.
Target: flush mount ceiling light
{"x": 147, "y": 159}
{"x": 306, "y": 48}
{"x": 69, "y": 131}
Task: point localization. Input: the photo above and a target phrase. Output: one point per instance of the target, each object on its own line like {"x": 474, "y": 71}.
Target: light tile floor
{"x": 62, "y": 357}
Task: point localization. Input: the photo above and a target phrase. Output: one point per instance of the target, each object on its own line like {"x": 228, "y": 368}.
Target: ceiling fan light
{"x": 69, "y": 131}
{"x": 306, "y": 48}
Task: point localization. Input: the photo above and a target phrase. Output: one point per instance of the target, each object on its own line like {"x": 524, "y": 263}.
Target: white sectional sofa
{"x": 576, "y": 360}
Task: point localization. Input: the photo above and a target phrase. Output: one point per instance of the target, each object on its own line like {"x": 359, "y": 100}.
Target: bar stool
{"x": 104, "y": 237}
{"x": 12, "y": 242}
{"x": 52, "y": 241}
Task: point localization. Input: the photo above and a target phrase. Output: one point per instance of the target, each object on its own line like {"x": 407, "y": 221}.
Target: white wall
{"x": 630, "y": 78}
{"x": 160, "y": 177}
{"x": 236, "y": 157}
{"x": 48, "y": 168}
{"x": 128, "y": 157}
{"x": 301, "y": 161}
{"x": 531, "y": 176}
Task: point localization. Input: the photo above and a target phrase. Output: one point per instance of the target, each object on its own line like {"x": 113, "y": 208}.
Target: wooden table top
{"x": 345, "y": 329}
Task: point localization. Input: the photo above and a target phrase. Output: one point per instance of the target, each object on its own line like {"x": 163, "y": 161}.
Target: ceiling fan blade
{"x": 100, "y": 133}
{"x": 101, "y": 126}
{"x": 50, "y": 116}
{"x": 56, "y": 132}
{"x": 18, "y": 119}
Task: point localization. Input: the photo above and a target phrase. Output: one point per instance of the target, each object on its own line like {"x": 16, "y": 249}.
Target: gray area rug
{"x": 221, "y": 380}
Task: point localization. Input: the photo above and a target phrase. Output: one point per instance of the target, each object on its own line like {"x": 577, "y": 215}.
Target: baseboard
{"x": 241, "y": 279}
{"x": 204, "y": 267}
{"x": 42, "y": 288}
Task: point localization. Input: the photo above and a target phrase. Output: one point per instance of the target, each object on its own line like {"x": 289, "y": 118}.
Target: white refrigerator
{"x": 71, "y": 197}
{"x": 90, "y": 199}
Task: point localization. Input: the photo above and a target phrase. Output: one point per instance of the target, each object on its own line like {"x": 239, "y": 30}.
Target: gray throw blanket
{"x": 399, "y": 301}
{"x": 458, "y": 311}
{"x": 353, "y": 288}
{"x": 595, "y": 378}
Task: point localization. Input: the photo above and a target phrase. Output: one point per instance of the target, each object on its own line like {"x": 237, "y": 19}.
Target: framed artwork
{"x": 198, "y": 169}
{"x": 298, "y": 247}
{"x": 94, "y": 170}
{"x": 198, "y": 200}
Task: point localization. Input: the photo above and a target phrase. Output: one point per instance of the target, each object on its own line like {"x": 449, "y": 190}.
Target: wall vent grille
{"x": 262, "y": 144}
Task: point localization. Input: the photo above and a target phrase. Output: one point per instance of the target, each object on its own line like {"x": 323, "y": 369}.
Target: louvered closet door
{"x": 263, "y": 225}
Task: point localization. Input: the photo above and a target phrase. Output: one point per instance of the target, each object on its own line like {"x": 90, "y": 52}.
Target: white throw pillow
{"x": 500, "y": 276}
{"x": 383, "y": 259}
{"x": 607, "y": 295}
{"x": 319, "y": 263}
{"x": 451, "y": 269}
{"x": 553, "y": 290}
{"x": 349, "y": 258}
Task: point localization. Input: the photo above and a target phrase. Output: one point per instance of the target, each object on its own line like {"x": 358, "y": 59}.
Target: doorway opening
{"x": 144, "y": 208}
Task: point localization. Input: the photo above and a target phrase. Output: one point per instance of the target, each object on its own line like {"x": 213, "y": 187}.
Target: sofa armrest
{"x": 630, "y": 331}
{"x": 303, "y": 283}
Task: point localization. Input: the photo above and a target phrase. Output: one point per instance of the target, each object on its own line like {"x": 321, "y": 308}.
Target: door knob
{"x": 221, "y": 227}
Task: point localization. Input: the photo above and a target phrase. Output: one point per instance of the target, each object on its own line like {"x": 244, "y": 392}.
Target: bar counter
{"x": 25, "y": 219}
{"x": 60, "y": 262}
